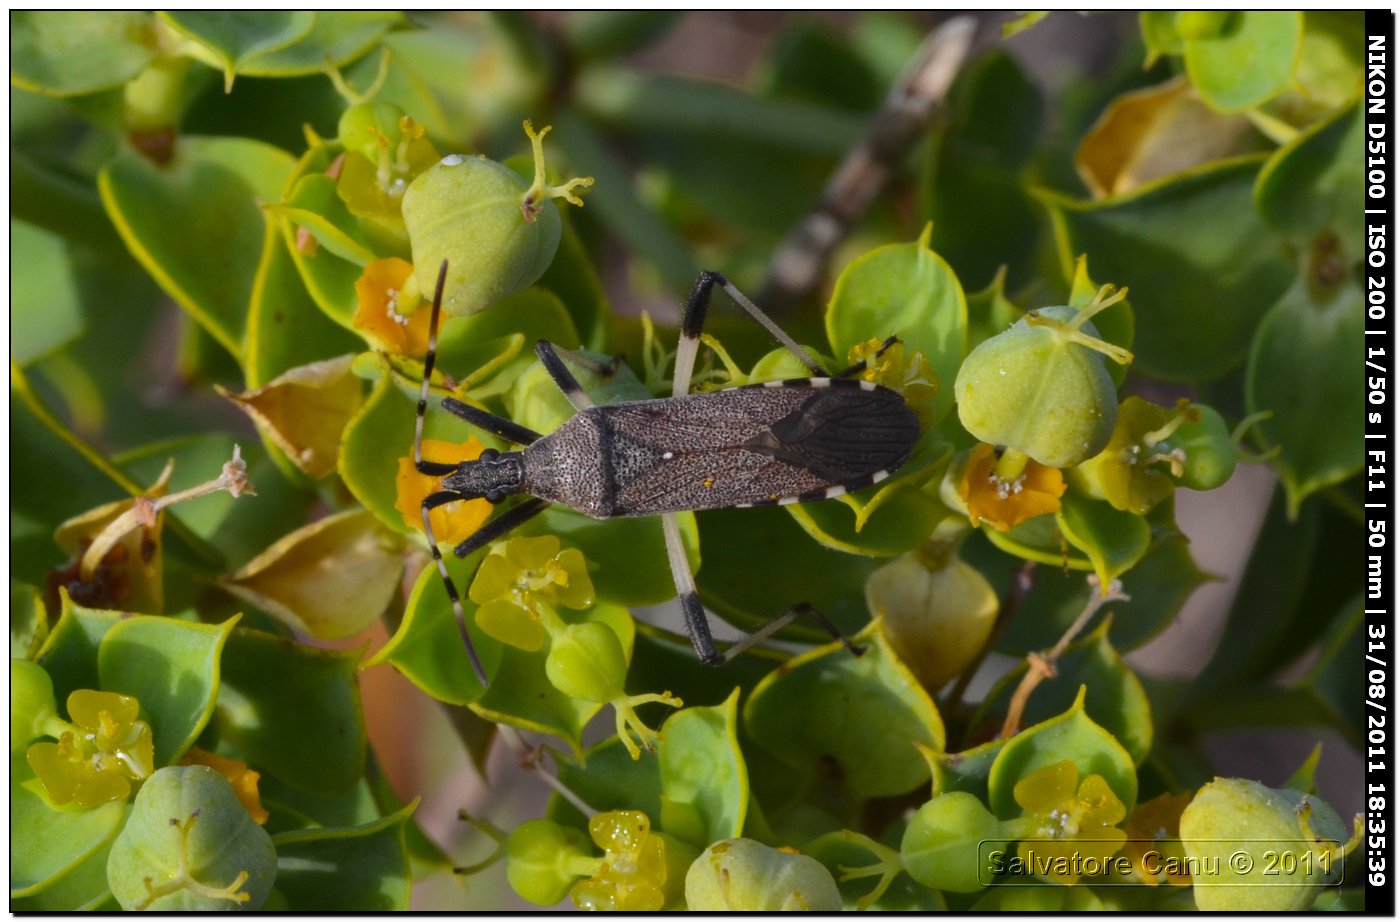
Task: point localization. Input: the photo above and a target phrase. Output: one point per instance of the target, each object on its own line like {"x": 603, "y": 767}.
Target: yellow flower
{"x": 452, "y": 522}
{"x": 243, "y": 779}
{"x": 1069, "y": 827}
{"x": 375, "y": 188}
{"x": 1004, "y": 502}
{"x": 1154, "y": 841}
{"x": 513, "y": 583}
{"x": 1136, "y": 470}
{"x": 96, "y": 761}
{"x": 633, "y": 873}
{"x": 382, "y": 305}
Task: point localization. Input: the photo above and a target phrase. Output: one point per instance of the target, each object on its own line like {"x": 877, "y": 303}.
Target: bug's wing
{"x": 842, "y": 435}
{"x": 754, "y": 446}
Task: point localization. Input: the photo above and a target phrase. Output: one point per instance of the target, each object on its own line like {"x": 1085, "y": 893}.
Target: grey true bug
{"x": 772, "y": 443}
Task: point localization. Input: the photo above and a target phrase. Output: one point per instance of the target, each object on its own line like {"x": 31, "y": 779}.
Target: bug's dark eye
{"x": 494, "y": 496}
{"x": 489, "y": 454}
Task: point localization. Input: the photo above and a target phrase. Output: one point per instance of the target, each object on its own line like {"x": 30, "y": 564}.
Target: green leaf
{"x": 69, "y": 655}
{"x": 1072, "y": 735}
{"x": 858, "y": 713}
{"x": 227, "y": 40}
{"x": 315, "y": 204}
{"x": 337, "y": 38}
{"x": 907, "y": 290}
{"x": 1302, "y": 368}
{"x": 172, "y": 668}
{"x": 292, "y": 710}
{"x": 1159, "y": 33}
{"x": 83, "y": 887}
{"x": 1249, "y": 61}
{"x": 759, "y": 563}
{"x": 46, "y": 842}
{"x": 29, "y": 621}
{"x": 973, "y": 184}
{"x": 1201, "y": 264}
{"x": 610, "y": 779}
{"x": 704, "y": 782}
{"x": 195, "y": 223}
{"x": 72, "y": 52}
{"x": 1158, "y": 586}
{"x": 1311, "y": 184}
{"x": 1115, "y": 541}
{"x": 45, "y": 304}
{"x": 965, "y": 771}
{"x": 1114, "y": 698}
{"x": 427, "y": 648}
{"x": 359, "y": 869}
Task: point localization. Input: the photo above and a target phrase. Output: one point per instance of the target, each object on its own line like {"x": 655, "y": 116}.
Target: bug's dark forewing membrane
{"x": 755, "y": 445}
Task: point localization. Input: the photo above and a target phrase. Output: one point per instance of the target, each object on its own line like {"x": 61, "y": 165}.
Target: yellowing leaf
{"x": 305, "y": 410}
{"x": 1156, "y": 132}
{"x": 330, "y": 579}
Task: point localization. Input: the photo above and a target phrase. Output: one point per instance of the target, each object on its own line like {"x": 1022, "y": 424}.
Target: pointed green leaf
{"x": 1072, "y": 735}
{"x": 195, "y": 223}
{"x": 704, "y": 782}
{"x": 1312, "y": 183}
{"x": 336, "y": 38}
{"x": 1248, "y": 61}
{"x": 904, "y": 290}
{"x": 862, "y": 713}
{"x": 229, "y": 39}
{"x": 1114, "y": 540}
{"x": 172, "y": 668}
{"x": 359, "y": 869}
{"x": 73, "y": 52}
{"x": 1201, "y": 265}
{"x": 1302, "y": 368}
{"x": 1114, "y": 699}
{"x": 47, "y": 842}
{"x": 292, "y": 710}
{"x": 45, "y": 305}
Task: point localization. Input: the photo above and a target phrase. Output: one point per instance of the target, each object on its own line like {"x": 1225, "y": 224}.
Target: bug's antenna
{"x": 428, "y": 361}
{"x": 435, "y": 468}
{"x": 438, "y": 499}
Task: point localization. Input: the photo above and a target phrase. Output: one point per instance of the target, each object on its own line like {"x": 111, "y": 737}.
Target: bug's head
{"x": 491, "y": 477}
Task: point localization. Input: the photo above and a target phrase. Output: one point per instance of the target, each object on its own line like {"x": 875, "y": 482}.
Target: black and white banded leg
{"x": 499, "y": 426}
{"x": 697, "y": 625}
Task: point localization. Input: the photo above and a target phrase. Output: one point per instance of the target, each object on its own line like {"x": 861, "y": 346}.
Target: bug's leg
{"x": 693, "y": 323}
{"x": 549, "y": 355}
{"x": 801, "y": 609}
{"x": 864, "y": 363}
{"x": 696, "y": 624}
{"x": 507, "y": 521}
{"x": 496, "y": 425}
{"x": 431, "y": 502}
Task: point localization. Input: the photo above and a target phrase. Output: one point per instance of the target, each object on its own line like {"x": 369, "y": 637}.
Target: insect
{"x": 765, "y": 444}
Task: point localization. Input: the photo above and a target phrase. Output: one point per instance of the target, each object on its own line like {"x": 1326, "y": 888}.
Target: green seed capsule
{"x": 543, "y": 859}
{"x": 1255, "y": 848}
{"x": 190, "y": 845}
{"x": 586, "y": 661}
{"x": 496, "y": 231}
{"x": 950, "y": 843}
{"x": 744, "y": 875}
{"x": 1210, "y": 451}
{"x": 1041, "y": 387}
